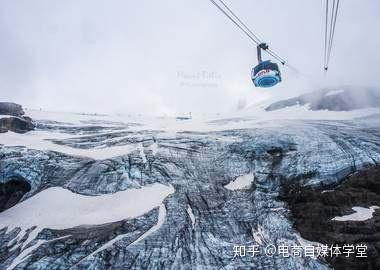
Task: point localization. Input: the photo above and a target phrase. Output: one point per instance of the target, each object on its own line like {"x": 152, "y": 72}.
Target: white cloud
{"x": 124, "y": 55}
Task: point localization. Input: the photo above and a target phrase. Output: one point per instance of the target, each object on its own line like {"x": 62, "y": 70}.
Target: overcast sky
{"x": 173, "y": 56}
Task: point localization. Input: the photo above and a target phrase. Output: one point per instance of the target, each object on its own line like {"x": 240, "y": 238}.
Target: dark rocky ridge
{"x": 12, "y": 191}
{"x": 339, "y": 99}
{"x": 16, "y": 121}
{"x": 16, "y": 124}
{"x": 9, "y": 108}
{"x": 312, "y": 209}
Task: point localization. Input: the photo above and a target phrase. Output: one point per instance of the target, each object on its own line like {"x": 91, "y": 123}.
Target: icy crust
{"x": 41, "y": 140}
{"x": 241, "y": 182}
{"x": 76, "y": 209}
{"x": 203, "y": 219}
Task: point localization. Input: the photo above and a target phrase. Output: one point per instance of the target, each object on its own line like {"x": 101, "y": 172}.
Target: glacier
{"x": 179, "y": 197}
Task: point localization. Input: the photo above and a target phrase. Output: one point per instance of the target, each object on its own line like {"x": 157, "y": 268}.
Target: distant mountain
{"x": 334, "y": 99}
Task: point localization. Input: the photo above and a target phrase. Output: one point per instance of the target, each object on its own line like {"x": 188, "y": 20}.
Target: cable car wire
{"x": 326, "y": 26}
{"x": 241, "y": 22}
{"x": 271, "y": 52}
{"x": 333, "y": 28}
{"x": 243, "y": 27}
{"x": 330, "y": 24}
{"x": 232, "y": 20}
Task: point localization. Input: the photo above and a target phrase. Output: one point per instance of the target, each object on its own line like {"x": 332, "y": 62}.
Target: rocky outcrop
{"x": 16, "y": 124}
{"x": 333, "y": 99}
{"x": 313, "y": 210}
{"x": 16, "y": 121}
{"x": 9, "y": 108}
{"x": 12, "y": 191}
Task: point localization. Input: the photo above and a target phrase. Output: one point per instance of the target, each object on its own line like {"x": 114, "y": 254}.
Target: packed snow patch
{"x": 334, "y": 92}
{"x": 191, "y": 215}
{"x": 361, "y": 214}
{"x": 241, "y": 182}
{"x": 75, "y": 209}
{"x": 40, "y": 140}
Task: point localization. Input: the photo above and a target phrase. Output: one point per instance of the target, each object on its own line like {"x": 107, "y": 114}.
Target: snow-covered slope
{"x": 343, "y": 98}
{"x": 40, "y": 211}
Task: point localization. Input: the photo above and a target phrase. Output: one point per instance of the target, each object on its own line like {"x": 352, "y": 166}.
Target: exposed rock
{"x": 16, "y": 124}
{"x": 12, "y": 191}
{"x": 9, "y": 108}
{"x": 313, "y": 210}
{"x": 333, "y": 99}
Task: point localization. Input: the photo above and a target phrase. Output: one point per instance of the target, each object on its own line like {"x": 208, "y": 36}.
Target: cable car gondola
{"x": 266, "y": 73}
